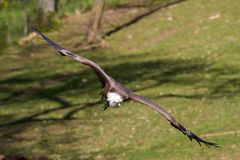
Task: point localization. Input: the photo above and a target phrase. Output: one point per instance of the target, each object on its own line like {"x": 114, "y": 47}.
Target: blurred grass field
{"x": 184, "y": 57}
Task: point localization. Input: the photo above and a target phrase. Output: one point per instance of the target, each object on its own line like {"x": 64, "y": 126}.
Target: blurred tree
{"x": 46, "y": 10}
{"x": 3, "y": 3}
{"x": 47, "y": 5}
{"x": 93, "y": 35}
{"x": 25, "y": 16}
{"x": 5, "y": 36}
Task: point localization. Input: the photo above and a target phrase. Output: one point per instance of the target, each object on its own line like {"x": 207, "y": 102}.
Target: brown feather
{"x": 109, "y": 85}
{"x": 172, "y": 121}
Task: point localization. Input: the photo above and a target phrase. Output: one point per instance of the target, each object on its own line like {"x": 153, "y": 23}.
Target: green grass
{"x": 180, "y": 57}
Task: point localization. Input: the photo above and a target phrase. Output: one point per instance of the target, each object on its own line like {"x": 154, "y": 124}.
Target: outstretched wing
{"x": 172, "y": 121}
{"x": 104, "y": 78}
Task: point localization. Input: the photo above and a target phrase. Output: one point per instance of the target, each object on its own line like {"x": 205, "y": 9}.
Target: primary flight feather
{"x": 114, "y": 93}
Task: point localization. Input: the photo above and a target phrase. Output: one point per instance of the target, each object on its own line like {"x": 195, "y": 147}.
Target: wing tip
{"x": 49, "y": 41}
{"x": 199, "y": 140}
{"x": 35, "y": 29}
{"x": 192, "y": 136}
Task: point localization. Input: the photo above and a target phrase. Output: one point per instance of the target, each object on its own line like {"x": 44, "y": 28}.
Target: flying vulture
{"x": 114, "y": 93}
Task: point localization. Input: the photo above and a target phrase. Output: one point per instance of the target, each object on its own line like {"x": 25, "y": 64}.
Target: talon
{"x": 102, "y": 98}
{"x": 105, "y": 106}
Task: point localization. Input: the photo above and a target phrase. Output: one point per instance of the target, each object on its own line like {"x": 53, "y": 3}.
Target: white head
{"x": 114, "y": 99}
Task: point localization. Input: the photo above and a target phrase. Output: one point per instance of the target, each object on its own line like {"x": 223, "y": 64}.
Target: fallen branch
{"x": 27, "y": 38}
{"x": 237, "y": 133}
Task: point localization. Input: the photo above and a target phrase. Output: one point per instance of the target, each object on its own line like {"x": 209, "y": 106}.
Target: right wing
{"x": 104, "y": 78}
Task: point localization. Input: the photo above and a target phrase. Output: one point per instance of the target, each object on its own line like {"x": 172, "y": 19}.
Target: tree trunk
{"x": 8, "y": 36}
{"x": 93, "y": 35}
{"x": 47, "y": 9}
{"x": 25, "y": 15}
{"x": 47, "y": 5}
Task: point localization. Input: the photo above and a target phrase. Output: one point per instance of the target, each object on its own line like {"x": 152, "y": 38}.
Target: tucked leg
{"x": 105, "y": 106}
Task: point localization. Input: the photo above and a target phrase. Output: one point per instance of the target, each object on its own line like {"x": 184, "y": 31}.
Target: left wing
{"x": 172, "y": 121}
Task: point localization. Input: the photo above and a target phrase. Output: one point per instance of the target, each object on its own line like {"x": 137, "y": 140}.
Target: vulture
{"x": 114, "y": 93}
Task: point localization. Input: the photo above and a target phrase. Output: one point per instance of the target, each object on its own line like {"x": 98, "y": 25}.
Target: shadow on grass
{"x": 167, "y": 71}
{"x": 33, "y": 118}
{"x": 130, "y": 70}
{"x": 138, "y": 18}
